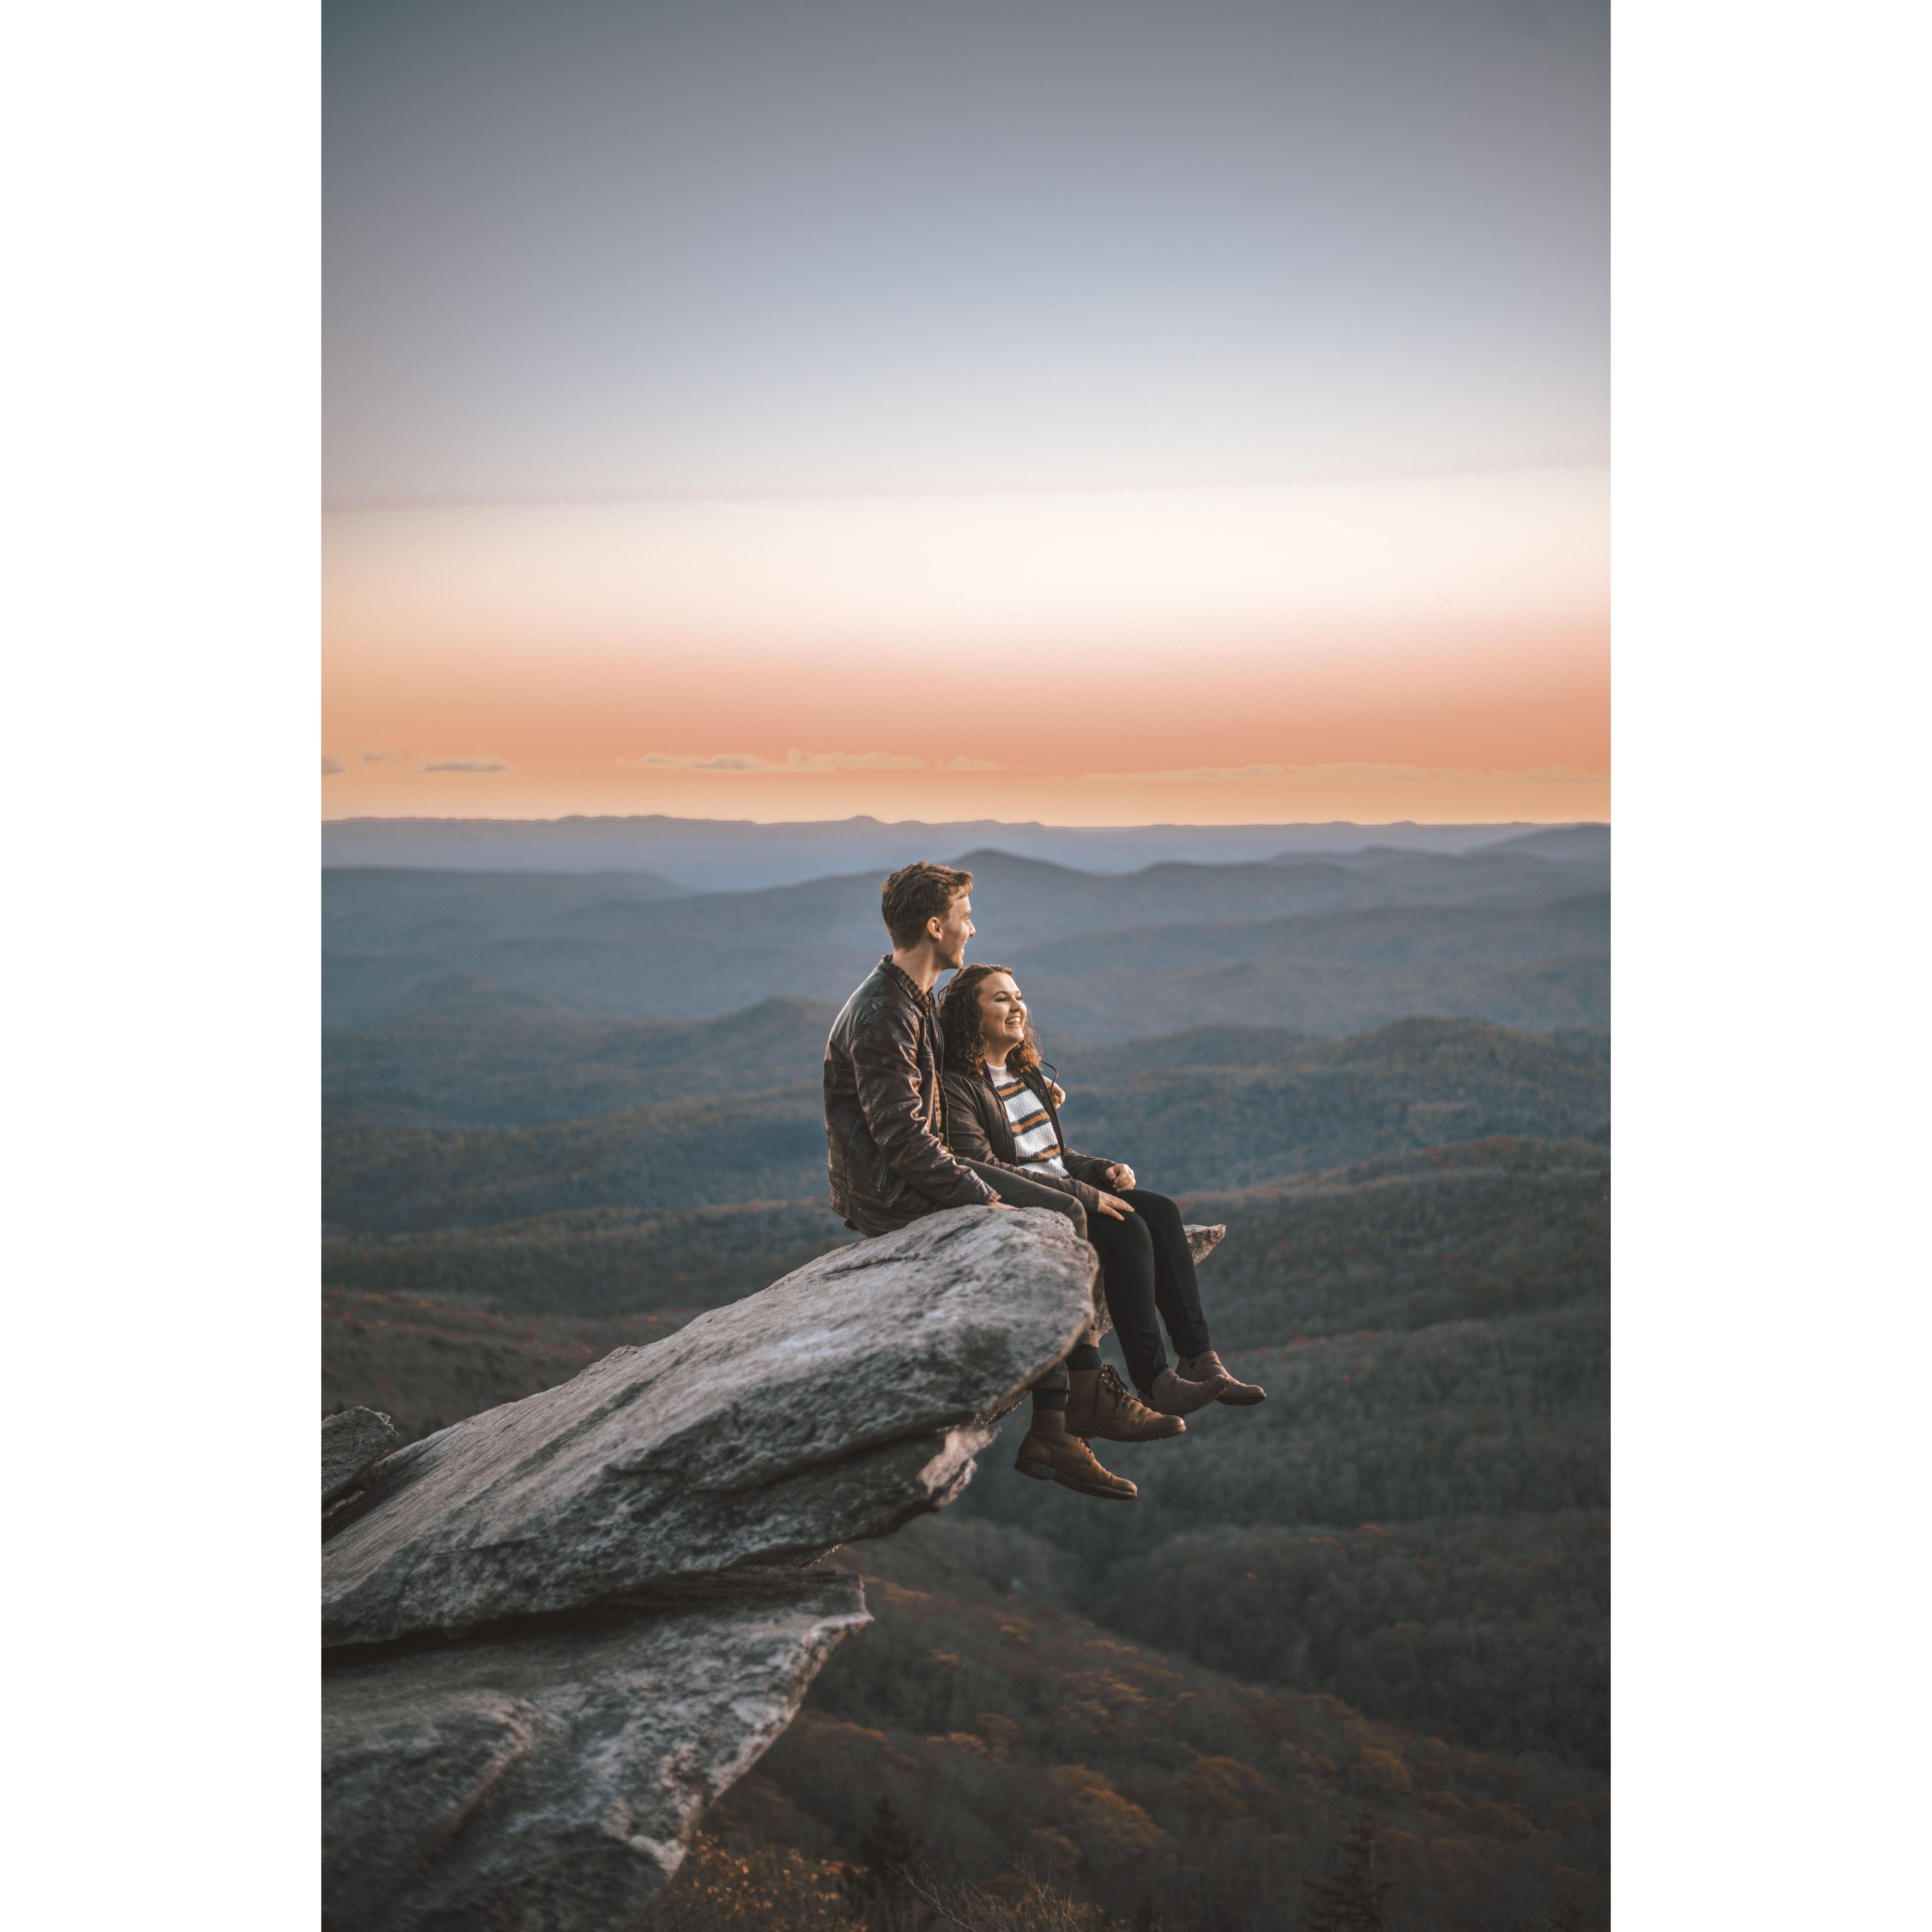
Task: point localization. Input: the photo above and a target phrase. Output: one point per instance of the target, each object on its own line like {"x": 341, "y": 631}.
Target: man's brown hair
{"x": 916, "y": 893}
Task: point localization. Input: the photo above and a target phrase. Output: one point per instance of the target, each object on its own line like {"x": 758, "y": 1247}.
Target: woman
{"x": 1002, "y": 1111}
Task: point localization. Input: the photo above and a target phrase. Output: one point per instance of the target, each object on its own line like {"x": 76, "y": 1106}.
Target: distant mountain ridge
{"x": 1484, "y": 934}
{"x": 711, "y": 855}
{"x": 631, "y": 945}
{"x": 408, "y": 911}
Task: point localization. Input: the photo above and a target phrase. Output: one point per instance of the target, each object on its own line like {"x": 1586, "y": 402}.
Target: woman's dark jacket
{"x": 977, "y": 1129}
{"x": 885, "y": 1109}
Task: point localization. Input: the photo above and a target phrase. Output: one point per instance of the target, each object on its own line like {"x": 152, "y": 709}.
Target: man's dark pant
{"x": 1018, "y": 1192}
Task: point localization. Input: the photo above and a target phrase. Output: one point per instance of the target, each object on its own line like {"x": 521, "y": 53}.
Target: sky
{"x": 1099, "y": 413}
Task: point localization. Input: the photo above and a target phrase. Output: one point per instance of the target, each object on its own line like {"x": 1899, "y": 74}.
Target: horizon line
{"x": 1012, "y": 824}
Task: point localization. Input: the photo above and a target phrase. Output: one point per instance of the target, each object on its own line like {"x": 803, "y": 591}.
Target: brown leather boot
{"x": 1050, "y": 1455}
{"x": 1103, "y": 1405}
{"x": 1175, "y": 1394}
{"x": 1207, "y": 1367}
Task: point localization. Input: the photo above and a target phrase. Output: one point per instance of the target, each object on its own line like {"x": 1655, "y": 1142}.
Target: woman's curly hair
{"x": 965, "y": 1031}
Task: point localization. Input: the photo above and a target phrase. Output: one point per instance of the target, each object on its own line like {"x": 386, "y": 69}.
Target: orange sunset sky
{"x": 721, "y": 423}
{"x": 1431, "y": 650}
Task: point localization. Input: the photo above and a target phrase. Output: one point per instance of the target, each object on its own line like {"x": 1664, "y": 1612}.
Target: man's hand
{"x": 1120, "y": 1176}
{"x": 997, "y": 1202}
{"x": 1059, "y": 1094}
{"x": 1116, "y": 1211}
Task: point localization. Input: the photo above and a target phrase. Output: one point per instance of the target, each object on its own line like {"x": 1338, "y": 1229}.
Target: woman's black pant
{"x": 1148, "y": 1270}
{"x": 1147, "y": 1273}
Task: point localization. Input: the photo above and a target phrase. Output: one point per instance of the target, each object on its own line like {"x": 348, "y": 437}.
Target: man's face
{"x": 950, "y": 934}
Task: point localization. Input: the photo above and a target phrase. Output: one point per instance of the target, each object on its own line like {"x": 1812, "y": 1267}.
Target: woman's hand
{"x": 1059, "y": 1093}
{"x": 1120, "y": 1176}
{"x": 1115, "y": 1210}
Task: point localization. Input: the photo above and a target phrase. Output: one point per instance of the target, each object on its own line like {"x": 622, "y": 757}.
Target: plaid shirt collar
{"x": 911, "y": 984}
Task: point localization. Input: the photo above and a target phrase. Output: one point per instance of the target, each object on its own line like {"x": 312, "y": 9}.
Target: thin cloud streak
{"x": 1354, "y": 774}
{"x": 801, "y": 763}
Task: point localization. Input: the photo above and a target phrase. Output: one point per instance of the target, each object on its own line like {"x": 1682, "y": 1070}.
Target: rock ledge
{"x": 554, "y": 1632}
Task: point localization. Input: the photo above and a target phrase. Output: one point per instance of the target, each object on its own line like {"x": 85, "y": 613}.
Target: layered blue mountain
{"x": 716, "y": 855}
{"x": 1329, "y": 945}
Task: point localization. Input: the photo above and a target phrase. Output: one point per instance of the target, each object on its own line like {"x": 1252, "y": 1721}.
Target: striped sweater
{"x": 1036, "y": 1145}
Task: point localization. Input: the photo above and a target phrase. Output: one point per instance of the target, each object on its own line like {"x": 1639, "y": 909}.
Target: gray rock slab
{"x": 1202, "y": 1240}
{"x": 836, "y": 1405}
{"x": 547, "y": 1781}
{"x": 351, "y": 1442}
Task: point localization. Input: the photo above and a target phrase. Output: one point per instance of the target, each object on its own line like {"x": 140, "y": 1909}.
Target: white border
{"x": 160, "y": 591}
{"x": 1770, "y": 332}
{"x": 1770, "y": 320}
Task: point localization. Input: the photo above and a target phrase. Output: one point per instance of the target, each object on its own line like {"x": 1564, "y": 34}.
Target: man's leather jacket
{"x": 885, "y": 1109}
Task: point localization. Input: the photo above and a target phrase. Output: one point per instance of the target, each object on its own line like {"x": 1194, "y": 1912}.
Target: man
{"x": 885, "y": 1128}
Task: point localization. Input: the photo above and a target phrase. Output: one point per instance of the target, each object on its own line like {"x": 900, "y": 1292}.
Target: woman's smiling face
{"x": 1003, "y": 1014}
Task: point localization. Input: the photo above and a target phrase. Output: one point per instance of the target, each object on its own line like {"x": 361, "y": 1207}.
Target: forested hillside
{"x": 1002, "y": 1729}
{"x": 677, "y": 1153}
{"x": 461, "y": 1052}
{"x": 425, "y": 1365}
{"x": 1320, "y": 1104}
{"x": 609, "y": 1260}
{"x": 1432, "y": 1328}
{"x": 1314, "y": 1104}
{"x": 1447, "y": 1233}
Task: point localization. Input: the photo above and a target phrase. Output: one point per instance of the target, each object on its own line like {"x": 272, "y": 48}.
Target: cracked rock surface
{"x": 546, "y": 1780}
{"x": 554, "y": 1632}
{"x": 837, "y": 1404}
